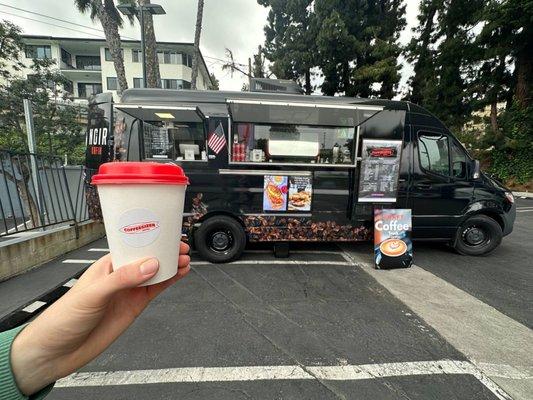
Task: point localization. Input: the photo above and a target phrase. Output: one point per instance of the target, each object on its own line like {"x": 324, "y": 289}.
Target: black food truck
{"x": 286, "y": 167}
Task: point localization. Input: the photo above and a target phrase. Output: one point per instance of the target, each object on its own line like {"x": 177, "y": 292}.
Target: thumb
{"x": 128, "y": 276}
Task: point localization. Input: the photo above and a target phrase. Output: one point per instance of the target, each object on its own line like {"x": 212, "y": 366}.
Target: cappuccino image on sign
{"x": 392, "y": 238}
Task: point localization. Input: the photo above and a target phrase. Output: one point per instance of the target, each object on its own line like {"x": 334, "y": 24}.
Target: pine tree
{"x": 290, "y": 39}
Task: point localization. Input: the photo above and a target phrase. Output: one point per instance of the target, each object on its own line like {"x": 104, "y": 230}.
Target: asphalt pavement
{"x": 503, "y": 279}
{"x": 321, "y": 324}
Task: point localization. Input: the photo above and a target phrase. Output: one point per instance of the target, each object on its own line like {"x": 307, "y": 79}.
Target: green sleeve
{"x": 8, "y": 386}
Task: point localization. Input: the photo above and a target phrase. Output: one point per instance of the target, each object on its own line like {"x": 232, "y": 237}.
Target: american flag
{"x": 217, "y": 140}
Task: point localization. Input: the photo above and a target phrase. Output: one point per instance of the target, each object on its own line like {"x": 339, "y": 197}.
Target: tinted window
{"x": 433, "y": 153}
{"x": 458, "y": 161}
{"x": 385, "y": 124}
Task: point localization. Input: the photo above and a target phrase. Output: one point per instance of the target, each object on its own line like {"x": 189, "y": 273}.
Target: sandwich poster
{"x": 275, "y": 193}
{"x": 300, "y": 192}
{"x": 392, "y": 238}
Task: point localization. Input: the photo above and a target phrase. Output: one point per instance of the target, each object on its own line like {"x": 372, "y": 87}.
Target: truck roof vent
{"x": 274, "y": 85}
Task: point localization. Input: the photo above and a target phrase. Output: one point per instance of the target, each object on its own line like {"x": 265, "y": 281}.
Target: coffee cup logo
{"x": 393, "y": 247}
{"x": 139, "y": 227}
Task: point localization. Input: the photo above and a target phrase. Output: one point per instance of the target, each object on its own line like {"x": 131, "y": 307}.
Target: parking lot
{"x": 322, "y": 324}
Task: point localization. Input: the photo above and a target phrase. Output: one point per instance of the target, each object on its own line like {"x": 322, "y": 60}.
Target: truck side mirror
{"x": 476, "y": 172}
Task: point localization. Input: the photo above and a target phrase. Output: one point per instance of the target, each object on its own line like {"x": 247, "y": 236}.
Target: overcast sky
{"x": 234, "y": 24}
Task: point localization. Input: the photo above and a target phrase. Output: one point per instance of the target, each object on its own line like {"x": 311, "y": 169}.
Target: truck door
{"x": 439, "y": 190}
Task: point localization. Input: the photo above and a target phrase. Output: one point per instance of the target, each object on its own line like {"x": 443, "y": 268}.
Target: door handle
{"x": 423, "y": 186}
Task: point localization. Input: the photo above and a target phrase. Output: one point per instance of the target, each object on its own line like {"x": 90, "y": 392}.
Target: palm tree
{"x": 106, "y": 12}
{"x": 153, "y": 76}
{"x": 196, "y": 54}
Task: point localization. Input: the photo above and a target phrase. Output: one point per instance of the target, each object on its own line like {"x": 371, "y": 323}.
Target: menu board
{"x": 287, "y": 193}
{"x": 392, "y": 238}
{"x": 380, "y": 167}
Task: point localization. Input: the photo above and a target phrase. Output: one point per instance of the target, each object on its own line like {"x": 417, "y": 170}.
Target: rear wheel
{"x": 478, "y": 235}
{"x": 220, "y": 239}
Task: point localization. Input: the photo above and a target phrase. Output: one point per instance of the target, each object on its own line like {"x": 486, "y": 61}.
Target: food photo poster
{"x": 300, "y": 192}
{"x": 275, "y": 193}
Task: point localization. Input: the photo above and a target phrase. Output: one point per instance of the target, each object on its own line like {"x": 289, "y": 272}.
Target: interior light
{"x": 163, "y": 115}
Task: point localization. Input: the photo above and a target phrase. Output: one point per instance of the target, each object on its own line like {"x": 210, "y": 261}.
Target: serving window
{"x": 177, "y": 141}
{"x": 293, "y": 144}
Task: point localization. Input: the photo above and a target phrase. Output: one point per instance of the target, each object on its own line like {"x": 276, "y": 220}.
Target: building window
{"x": 188, "y": 60}
{"x": 112, "y": 83}
{"x": 285, "y": 143}
{"x": 108, "y": 55}
{"x": 138, "y": 83}
{"x": 49, "y": 84}
{"x": 68, "y": 87}
{"x": 169, "y": 83}
{"x": 38, "y": 51}
{"x": 66, "y": 58}
{"x": 175, "y": 84}
{"x": 88, "y": 63}
{"x": 169, "y": 57}
{"x": 86, "y": 90}
{"x": 136, "y": 55}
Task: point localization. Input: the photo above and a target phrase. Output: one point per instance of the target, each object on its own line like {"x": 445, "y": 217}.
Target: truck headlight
{"x": 509, "y": 196}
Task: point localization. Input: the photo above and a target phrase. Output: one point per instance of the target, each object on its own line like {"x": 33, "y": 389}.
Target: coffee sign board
{"x": 392, "y": 238}
{"x": 380, "y": 167}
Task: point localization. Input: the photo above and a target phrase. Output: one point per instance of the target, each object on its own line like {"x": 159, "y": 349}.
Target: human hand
{"x": 86, "y": 320}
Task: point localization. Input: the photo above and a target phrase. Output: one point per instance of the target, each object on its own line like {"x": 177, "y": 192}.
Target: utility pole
{"x": 32, "y": 146}
{"x": 249, "y": 74}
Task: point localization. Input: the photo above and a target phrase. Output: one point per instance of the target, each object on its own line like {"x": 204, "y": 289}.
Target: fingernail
{"x": 150, "y": 266}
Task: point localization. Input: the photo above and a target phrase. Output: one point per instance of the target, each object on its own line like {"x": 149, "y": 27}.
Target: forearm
{"x": 31, "y": 370}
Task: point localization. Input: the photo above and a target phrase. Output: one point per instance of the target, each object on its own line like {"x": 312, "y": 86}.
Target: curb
{"x": 523, "y": 195}
{"x": 29, "y": 310}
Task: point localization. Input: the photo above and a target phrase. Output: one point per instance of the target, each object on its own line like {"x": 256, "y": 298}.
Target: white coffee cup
{"x": 142, "y": 205}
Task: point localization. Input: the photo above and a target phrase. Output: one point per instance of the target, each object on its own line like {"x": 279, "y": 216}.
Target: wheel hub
{"x": 474, "y": 236}
{"x": 220, "y": 241}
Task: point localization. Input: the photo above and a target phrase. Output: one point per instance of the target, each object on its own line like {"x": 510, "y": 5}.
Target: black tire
{"x": 220, "y": 239}
{"x": 478, "y": 235}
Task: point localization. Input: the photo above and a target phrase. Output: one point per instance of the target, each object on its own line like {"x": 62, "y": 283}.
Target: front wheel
{"x": 478, "y": 235}
{"x": 220, "y": 239}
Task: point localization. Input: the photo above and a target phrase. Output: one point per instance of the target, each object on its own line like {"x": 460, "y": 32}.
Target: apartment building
{"x": 88, "y": 65}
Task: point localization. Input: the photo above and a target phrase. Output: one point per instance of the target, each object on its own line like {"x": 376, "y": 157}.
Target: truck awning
{"x": 300, "y": 113}
{"x": 163, "y": 113}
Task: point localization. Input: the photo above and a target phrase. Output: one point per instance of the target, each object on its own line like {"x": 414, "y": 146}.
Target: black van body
{"x": 451, "y": 200}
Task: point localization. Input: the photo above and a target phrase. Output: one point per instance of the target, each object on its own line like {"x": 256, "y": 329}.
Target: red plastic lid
{"x": 139, "y": 172}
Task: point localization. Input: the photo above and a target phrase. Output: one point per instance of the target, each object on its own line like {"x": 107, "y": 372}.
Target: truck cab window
{"x": 281, "y": 143}
{"x": 459, "y": 162}
{"x": 433, "y": 153}
{"x": 174, "y": 140}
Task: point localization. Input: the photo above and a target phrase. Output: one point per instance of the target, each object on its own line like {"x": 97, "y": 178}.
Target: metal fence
{"x": 37, "y": 191}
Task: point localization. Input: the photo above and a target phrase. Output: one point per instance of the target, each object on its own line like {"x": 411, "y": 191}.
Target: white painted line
{"x": 75, "y": 261}
{"x": 283, "y": 372}
{"x": 524, "y": 208}
{"x": 523, "y": 211}
{"x": 70, "y": 283}
{"x": 273, "y": 262}
{"x": 485, "y": 335}
{"x": 102, "y": 250}
{"x": 34, "y": 306}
